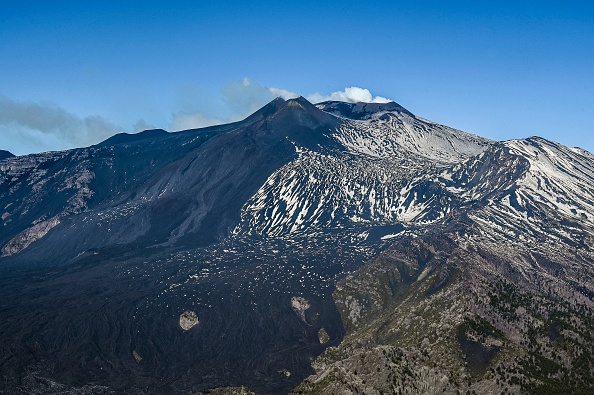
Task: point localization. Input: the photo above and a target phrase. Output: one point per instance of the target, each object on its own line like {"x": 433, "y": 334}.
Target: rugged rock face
{"x": 496, "y": 299}
{"x": 300, "y": 305}
{"x": 450, "y": 311}
{"x": 188, "y": 320}
{"x": 399, "y": 255}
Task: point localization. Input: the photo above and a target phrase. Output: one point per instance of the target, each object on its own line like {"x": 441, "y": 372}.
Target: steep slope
{"x": 373, "y": 181}
{"x": 236, "y": 255}
{"x": 39, "y": 192}
{"x": 115, "y": 242}
{"x": 150, "y": 189}
{"x": 498, "y": 298}
{"x": 6, "y": 154}
{"x": 388, "y": 130}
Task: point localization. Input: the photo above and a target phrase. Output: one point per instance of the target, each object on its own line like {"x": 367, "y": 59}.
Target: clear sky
{"x": 73, "y": 73}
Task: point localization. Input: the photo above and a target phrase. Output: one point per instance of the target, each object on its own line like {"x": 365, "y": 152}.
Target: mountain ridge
{"x": 295, "y": 235}
{"x": 5, "y": 154}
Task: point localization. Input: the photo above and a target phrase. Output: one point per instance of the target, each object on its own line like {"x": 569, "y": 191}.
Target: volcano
{"x": 328, "y": 248}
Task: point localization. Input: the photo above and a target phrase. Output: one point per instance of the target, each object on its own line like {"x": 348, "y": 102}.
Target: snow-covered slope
{"x": 380, "y": 176}
{"x": 526, "y": 188}
{"x": 237, "y": 222}
{"x": 398, "y": 168}
{"x": 559, "y": 178}
{"x": 388, "y": 130}
{"x": 326, "y": 191}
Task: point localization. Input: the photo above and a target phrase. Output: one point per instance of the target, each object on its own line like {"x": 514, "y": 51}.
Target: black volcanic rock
{"x": 415, "y": 247}
{"x": 6, "y": 154}
{"x": 186, "y": 186}
{"x": 135, "y": 202}
{"x": 360, "y": 111}
{"x": 297, "y": 121}
{"x": 127, "y": 138}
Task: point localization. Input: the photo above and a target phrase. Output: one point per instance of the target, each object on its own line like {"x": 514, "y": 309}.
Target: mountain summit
{"x": 329, "y": 248}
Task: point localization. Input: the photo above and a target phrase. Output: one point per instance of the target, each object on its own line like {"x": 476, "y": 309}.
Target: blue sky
{"x": 73, "y": 73}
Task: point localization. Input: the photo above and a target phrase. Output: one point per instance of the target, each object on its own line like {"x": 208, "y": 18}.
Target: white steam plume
{"x": 354, "y": 94}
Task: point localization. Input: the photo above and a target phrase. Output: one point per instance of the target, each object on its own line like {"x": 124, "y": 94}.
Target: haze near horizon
{"x": 74, "y": 74}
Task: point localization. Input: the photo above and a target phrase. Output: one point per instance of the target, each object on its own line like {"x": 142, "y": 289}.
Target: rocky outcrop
{"x": 300, "y": 305}
{"x": 28, "y": 236}
{"x": 188, "y": 320}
